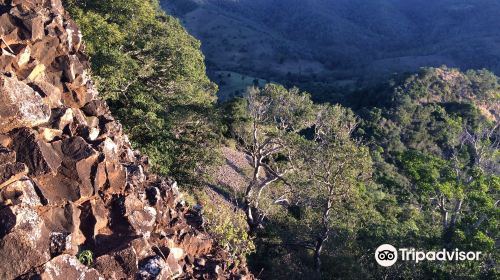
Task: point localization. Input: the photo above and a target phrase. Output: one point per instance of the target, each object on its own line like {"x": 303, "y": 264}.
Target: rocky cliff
{"x": 69, "y": 178}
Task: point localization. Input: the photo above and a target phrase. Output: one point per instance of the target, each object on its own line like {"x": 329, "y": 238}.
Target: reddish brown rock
{"x": 21, "y": 193}
{"x": 44, "y": 50}
{"x": 51, "y": 93}
{"x": 39, "y": 156}
{"x": 100, "y": 177}
{"x": 109, "y": 268}
{"x": 100, "y": 214}
{"x": 61, "y": 117}
{"x": 119, "y": 264}
{"x": 49, "y": 134}
{"x": 58, "y": 188}
{"x": 68, "y": 267}
{"x": 25, "y": 246}
{"x": 34, "y": 23}
{"x": 5, "y": 140}
{"x": 196, "y": 245}
{"x": 65, "y": 221}
{"x": 142, "y": 218}
{"x": 20, "y": 105}
{"x": 96, "y": 108}
{"x": 173, "y": 270}
{"x": 117, "y": 177}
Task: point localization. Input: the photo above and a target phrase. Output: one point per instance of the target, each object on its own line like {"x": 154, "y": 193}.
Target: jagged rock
{"x": 110, "y": 268}
{"x": 177, "y": 253}
{"x": 117, "y": 177}
{"x": 157, "y": 268}
{"x": 195, "y": 245}
{"x": 141, "y": 218}
{"x": 21, "y": 193}
{"x": 44, "y": 50}
{"x": 25, "y": 246}
{"x": 100, "y": 214}
{"x": 20, "y": 105}
{"x": 135, "y": 174}
{"x": 61, "y": 117}
{"x": 100, "y": 177}
{"x": 109, "y": 149}
{"x": 64, "y": 222}
{"x": 68, "y": 267}
{"x": 52, "y": 93}
{"x": 96, "y": 108}
{"x": 143, "y": 248}
{"x": 7, "y": 221}
{"x": 39, "y": 156}
{"x": 173, "y": 269}
{"x": 49, "y": 134}
{"x": 58, "y": 188}
{"x": 11, "y": 172}
{"x": 119, "y": 264}
{"x": 77, "y": 148}
{"x": 88, "y": 133}
{"x": 60, "y": 242}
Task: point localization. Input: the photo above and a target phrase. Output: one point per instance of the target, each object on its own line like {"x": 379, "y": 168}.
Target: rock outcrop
{"x": 69, "y": 178}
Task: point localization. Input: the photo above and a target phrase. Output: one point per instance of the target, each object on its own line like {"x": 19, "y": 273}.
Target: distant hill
{"x": 326, "y": 40}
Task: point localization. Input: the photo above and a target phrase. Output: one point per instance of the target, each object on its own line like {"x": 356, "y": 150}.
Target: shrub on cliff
{"x": 152, "y": 73}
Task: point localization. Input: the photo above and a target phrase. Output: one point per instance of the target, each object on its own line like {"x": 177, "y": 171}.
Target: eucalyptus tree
{"x": 273, "y": 116}
{"x": 333, "y": 167}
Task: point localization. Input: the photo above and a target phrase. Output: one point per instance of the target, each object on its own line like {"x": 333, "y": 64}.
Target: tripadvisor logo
{"x": 387, "y": 255}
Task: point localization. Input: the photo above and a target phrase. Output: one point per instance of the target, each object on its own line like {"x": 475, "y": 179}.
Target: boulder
{"x": 61, "y": 117}
{"x": 39, "y": 156}
{"x": 100, "y": 214}
{"x": 21, "y": 193}
{"x": 142, "y": 218}
{"x": 96, "y": 108}
{"x": 100, "y": 177}
{"x": 64, "y": 223}
{"x": 118, "y": 264}
{"x": 25, "y": 246}
{"x": 151, "y": 268}
{"x": 5, "y": 140}
{"x": 20, "y": 105}
{"x": 49, "y": 134}
{"x": 68, "y": 267}
{"x": 51, "y": 93}
{"x": 117, "y": 177}
{"x": 58, "y": 189}
{"x": 173, "y": 269}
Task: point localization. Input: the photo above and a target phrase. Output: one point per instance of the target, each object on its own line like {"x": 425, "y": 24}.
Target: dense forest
{"x": 412, "y": 161}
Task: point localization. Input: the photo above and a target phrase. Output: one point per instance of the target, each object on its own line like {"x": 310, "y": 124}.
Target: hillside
{"x": 76, "y": 200}
{"x": 342, "y": 40}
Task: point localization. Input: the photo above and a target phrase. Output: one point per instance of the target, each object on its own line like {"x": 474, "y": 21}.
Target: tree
{"x": 334, "y": 167}
{"x": 272, "y": 116}
{"x": 152, "y": 74}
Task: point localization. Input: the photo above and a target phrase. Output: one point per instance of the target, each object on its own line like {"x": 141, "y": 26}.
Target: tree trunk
{"x": 456, "y": 212}
{"x": 317, "y": 253}
{"x": 254, "y": 218}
